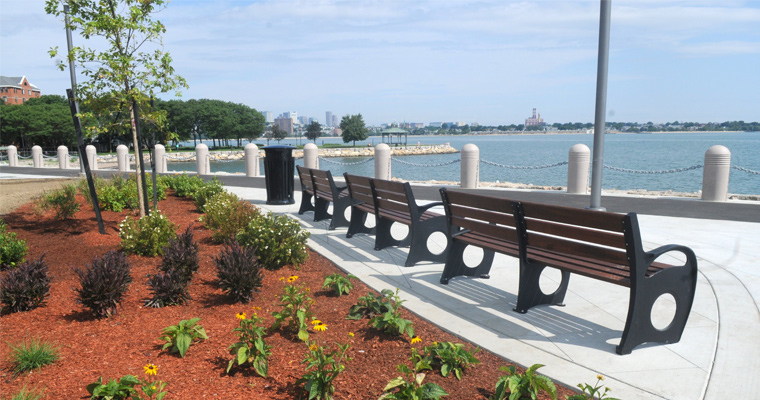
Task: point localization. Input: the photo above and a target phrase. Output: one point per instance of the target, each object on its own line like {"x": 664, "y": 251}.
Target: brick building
{"x": 17, "y": 89}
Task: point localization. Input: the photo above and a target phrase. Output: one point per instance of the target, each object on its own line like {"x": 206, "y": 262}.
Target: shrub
{"x": 147, "y": 235}
{"x": 168, "y": 289}
{"x": 383, "y": 313}
{"x": 446, "y": 357}
{"x": 279, "y": 240}
{"x": 339, "y": 284}
{"x": 205, "y": 192}
{"x": 238, "y": 271}
{"x": 183, "y": 185}
{"x": 28, "y": 394}
{"x": 25, "y": 287}
{"x": 179, "y": 337}
{"x": 371, "y": 305}
{"x": 124, "y": 388}
{"x": 104, "y": 283}
{"x": 227, "y": 215}
{"x": 12, "y": 249}
{"x": 117, "y": 193}
{"x": 27, "y": 356}
{"x": 62, "y": 200}
{"x": 526, "y": 385}
{"x": 181, "y": 255}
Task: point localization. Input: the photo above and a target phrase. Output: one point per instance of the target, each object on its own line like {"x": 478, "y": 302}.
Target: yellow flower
{"x": 600, "y": 377}
{"x": 350, "y": 334}
{"x": 313, "y": 347}
{"x": 435, "y": 343}
{"x": 292, "y": 278}
{"x": 256, "y": 308}
{"x": 416, "y": 339}
{"x": 282, "y": 279}
{"x": 240, "y": 315}
{"x": 316, "y": 321}
{"x": 150, "y": 369}
{"x": 320, "y": 327}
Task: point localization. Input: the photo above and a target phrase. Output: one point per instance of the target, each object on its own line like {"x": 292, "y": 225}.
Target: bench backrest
{"x": 360, "y": 189}
{"x": 479, "y": 214}
{"x": 324, "y": 186}
{"x": 584, "y": 234}
{"x": 394, "y": 196}
{"x": 304, "y": 174}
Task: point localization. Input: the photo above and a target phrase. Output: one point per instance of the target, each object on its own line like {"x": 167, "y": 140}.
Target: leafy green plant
{"x": 371, "y": 305}
{"x": 179, "y": 337}
{"x": 182, "y": 184}
{"x": 339, "y": 284}
{"x": 278, "y": 239}
{"x": 250, "y": 347}
{"x": 31, "y": 355}
{"x": 446, "y": 356}
{"x": 322, "y": 367}
{"x": 25, "y": 287}
{"x": 147, "y": 235}
{"x": 238, "y": 271}
{"x": 412, "y": 388}
{"x": 525, "y": 385}
{"x": 121, "y": 389}
{"x": 62, "y": 200}
{"x": 227, "y": 215}
{"x": 205, "y": 192}
{"x": 28, "y": 394}
{"x": 296, "y": 308}
{"x": 104, "y": 283}
{"x": 589, "y": 392}
{"x": 390, "y": 321}
{"x": 12, "y": 249}
{"x": 181, "y": 255}
{"x": 168, "y": 289}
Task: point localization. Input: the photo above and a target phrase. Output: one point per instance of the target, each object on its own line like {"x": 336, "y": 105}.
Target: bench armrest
{"x": 461, "y": 232}
{"x": 691, "y": 258}
{"x": 429, "y": 206}
{"x": 341, "y": 188}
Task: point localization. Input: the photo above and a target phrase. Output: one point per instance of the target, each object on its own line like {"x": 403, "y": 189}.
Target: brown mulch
{"x": 122, "y": 344}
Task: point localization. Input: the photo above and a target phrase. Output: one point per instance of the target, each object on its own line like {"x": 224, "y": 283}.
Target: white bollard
{"x": 202, "y": 161}
{"x": 311, "y": 156}
{"x": 63, "y": 157}
{"x": 470, "y": 171}
{"x": 12, "y": 156}
{"x": 715, "y": 177}
{"x": 92, "y": 157}
{"x": 122, "y": 158}
{"x": 37, "y": 156}
{"x": 578, "y": 162}
{"x": 383, "y": 161}
{"x": 159, "y": 159}
{"x": 251, "y": 160}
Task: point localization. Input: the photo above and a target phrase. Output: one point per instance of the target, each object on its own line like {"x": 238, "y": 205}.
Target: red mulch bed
{"x": 122, "y": 344}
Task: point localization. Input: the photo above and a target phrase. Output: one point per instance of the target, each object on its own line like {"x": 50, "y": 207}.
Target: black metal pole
{"x": 138, "y": 154}
{"x": 605, "y": 11}
{"x": 153, "y": 161}
{"x": 84, "y": 163}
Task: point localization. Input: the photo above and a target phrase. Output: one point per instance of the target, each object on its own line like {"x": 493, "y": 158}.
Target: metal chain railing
{"x": 178, "y": 158}
{"x": 343, "y": 163}
{"x": 738, "y": 168}
{"x": 665, "y": 171}
{"x": 524, "y": 167}
{"x": 25, "y": 158}
{"x": 426, "y": 165}
{"x": 49, "y": 157}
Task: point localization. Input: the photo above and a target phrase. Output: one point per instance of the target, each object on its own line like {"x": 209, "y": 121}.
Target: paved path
{"x": 716, "y": 359}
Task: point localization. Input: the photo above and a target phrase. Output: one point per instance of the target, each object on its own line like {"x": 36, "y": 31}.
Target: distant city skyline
{"x": 489, "y": 62}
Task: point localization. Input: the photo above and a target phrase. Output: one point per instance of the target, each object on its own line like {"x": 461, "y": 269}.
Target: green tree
{"x": 353, "y": 128}
{"x": 130, "y": 67}
{"x": 313, "y": 131}
{"x": 277, "y": 133}
{"x": 44, "y": 121}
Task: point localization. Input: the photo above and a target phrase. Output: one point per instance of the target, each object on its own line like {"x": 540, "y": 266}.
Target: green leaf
{"x": 183, "y": 343}
{"x": 160, "y": 395}
{"x": 229, "y": 365}
{"x": 433, "y": 391}
{"x": 201, "y": 333}
{"x": 445, "y": 369}
{"x": 419, "y": 377}
{"x": 129, "y": 380}
{"x": 242, "y": 355}
{"x": 394, "y": 383}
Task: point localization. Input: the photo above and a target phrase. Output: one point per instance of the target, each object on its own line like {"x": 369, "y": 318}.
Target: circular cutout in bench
{"x": 663, "y": 311}
{"x": 550, "y": 280}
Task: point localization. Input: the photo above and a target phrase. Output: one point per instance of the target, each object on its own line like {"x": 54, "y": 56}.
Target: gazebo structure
{"x": 390, "y": 132}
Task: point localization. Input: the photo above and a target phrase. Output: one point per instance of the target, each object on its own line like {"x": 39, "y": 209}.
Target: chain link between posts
{"x": 665, "y": 171}
{"x": 524, "y": 167}
{"x": 745, "y": 170}
{"x": 343, "y": 163}
{"x": 425, "y": 165}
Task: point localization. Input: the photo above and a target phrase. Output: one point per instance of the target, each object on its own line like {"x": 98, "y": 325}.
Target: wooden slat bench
{"x": 307, "y": 192}
{"x": 481, "y": 221}
{"x": 604, "y": 246}
{"x": 362, "y": 204}
{"x": 326, "y": 192}
{"x": 394, "y": 202}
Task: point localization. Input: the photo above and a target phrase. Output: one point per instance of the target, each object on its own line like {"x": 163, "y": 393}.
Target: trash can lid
{"x": 278, "y": 146}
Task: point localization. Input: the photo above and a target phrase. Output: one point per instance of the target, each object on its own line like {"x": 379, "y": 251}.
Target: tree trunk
{"x": 138, "y": 170}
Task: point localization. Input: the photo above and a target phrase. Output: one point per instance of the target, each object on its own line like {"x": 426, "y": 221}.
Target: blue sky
{"x": 484, "y": 61}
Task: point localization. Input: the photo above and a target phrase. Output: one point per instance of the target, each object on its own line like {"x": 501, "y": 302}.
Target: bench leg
{"x": 306, "y": 203}
{"x": 455, "y": 265}
{"x": 418, "y": 248}
{"x": 358, "y": 223}
{"x": 320, "y": 209}
{"x": 383, "y": 237}
{"x": 529, "y": 294}
{"x": 638, "y": 325}
{"x": 339, "y": 213}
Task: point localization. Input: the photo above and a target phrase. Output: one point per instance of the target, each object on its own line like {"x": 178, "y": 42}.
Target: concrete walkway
{"x": 716, "y": 359}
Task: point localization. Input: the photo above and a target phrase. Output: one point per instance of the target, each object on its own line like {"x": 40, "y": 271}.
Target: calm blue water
{"x": 645, "y": 152}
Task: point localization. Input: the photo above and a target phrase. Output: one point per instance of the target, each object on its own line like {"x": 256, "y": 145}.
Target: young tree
{"x": 278, "y": 134}
{"x": 353, "y": 128}
{"x": 129, "y": 68}
{"x": 313, "y": 131}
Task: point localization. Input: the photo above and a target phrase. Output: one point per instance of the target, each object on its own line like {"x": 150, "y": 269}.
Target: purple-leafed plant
{"x": 104, "y": 283}
{"x": 25, "y": 287}
{"x": 181, "y": 256}
{"x": 238, "y": 271}
{"x": 168, "y": 289}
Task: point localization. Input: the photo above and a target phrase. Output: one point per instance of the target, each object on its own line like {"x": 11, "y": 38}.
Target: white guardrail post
{"x": 578, "y": 162}
{"x": 92, "y": 156}
{"x": 159, "y": 159}
{"x": 63, "y": 157}
{"x": 470, "y": 172}
{"x": 37, "y": 156}
{"x": 383, "y": 161}
{"x": 715, "y": 177}
{"x": 202, "y": 159}
{"x": 311, "y": 156}
{"x": 251, "y": 152}
{"x": 12, "y": 156}
{"x": 122, "y": 158}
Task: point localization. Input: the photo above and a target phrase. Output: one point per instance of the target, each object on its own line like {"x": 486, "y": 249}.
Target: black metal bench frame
{"x": 307, "y": 192}
{"x": 476, "y": 220}
{"x": 394, "y": 202}
{"x": 362, "y": 204}
{"x": 326, "y": 192}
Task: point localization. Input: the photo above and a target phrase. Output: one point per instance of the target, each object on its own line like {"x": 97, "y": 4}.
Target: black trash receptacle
{"x": 279, "y": 168}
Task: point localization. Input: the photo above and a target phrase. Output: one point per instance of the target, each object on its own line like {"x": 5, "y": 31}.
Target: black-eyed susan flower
{"x": 316, "y": 321}
{"x": 292, "y": 278}
{"x": 320, "y": 327}
{"x": 150, "y": 369}
{"x": 416, "y": 339}
{"x": 350, "y": 334}
{"x": 600, "y": 377}
{"x": 240, "y": 315}
{"x": 282, "y": 279}
{"x": 313, "y": 347}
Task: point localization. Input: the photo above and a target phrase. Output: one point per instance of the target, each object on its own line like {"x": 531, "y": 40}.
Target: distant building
{"x": 335, "y": 121}
{"x": 268, "y": 117}
{"x": 284, "y": 123}
{"x": 17, "y": 89}
{"x": 328, "y": 118}
{"x": 436, "y": 124}
{"x": 303, "y": 120}
{"x": 534, "y": 120}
